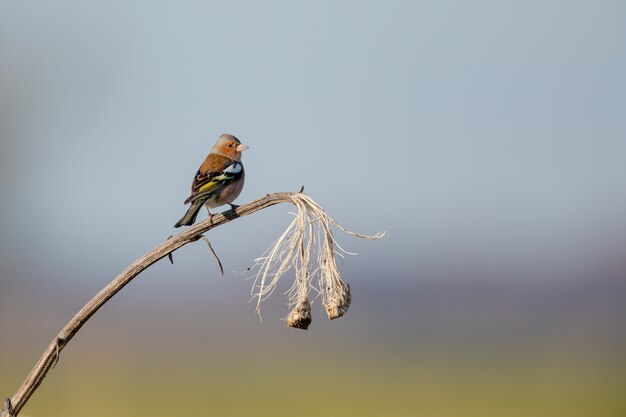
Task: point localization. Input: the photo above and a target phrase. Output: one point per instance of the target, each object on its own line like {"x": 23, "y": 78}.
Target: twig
{"x": 169, "y": 255}
{"x": 214, "y": 254}
{"x": 13, "y": 405}
{"x": 8, "y": 409}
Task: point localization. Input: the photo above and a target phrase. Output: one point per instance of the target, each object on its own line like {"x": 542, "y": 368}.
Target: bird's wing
{"x": 215, "y": 173}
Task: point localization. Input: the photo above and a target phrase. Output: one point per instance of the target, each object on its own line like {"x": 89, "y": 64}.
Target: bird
{"x": 219, "y": 179}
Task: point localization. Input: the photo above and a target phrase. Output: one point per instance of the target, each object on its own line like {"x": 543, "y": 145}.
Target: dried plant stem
{"x": 13, "y": 405}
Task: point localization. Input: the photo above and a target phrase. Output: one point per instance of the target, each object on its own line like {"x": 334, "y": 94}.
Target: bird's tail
{"x": 192, "y": 212}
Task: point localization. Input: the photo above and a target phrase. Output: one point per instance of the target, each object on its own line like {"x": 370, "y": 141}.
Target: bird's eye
{"x": 230, "y": 145}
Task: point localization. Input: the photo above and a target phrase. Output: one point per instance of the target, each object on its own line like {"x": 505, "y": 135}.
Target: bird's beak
{"x": 241, "y": 147}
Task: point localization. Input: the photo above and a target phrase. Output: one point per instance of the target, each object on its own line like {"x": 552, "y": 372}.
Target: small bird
{"x": 219, "y": 179}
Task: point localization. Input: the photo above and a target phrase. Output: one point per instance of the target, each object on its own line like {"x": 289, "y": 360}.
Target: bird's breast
{"x": 228, "y": 194}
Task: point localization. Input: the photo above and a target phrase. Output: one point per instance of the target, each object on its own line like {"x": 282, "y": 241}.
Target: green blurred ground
{"x": 446, "y": 350}
{"x": 365, "y": 383}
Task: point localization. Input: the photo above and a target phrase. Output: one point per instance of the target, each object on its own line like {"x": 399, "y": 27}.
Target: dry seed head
{"x": 307, "y": 246}
{"x": 300, "y": 316}
{"x": 337, "y": 301}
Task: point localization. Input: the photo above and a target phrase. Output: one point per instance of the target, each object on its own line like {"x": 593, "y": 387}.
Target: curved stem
{"x": 49, "y": 358}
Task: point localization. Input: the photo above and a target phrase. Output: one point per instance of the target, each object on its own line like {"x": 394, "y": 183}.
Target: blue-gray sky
{"x": 487, "y": 135}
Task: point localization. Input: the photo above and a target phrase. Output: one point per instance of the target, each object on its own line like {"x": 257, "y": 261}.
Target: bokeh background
{"x": 488, "y": 138}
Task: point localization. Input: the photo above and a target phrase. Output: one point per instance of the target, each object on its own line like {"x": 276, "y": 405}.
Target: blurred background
{"x": 488, "y": 138}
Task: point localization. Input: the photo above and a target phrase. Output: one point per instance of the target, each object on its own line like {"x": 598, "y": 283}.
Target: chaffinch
{"x": 219, "y": 179}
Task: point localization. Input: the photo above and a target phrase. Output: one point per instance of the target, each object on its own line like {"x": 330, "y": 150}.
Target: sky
{"x": 488, "y": 139}
{"x": 490, "y": 127}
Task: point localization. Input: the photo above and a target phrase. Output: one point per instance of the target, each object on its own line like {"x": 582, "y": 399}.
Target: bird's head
{"x": 229, "y": 146}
